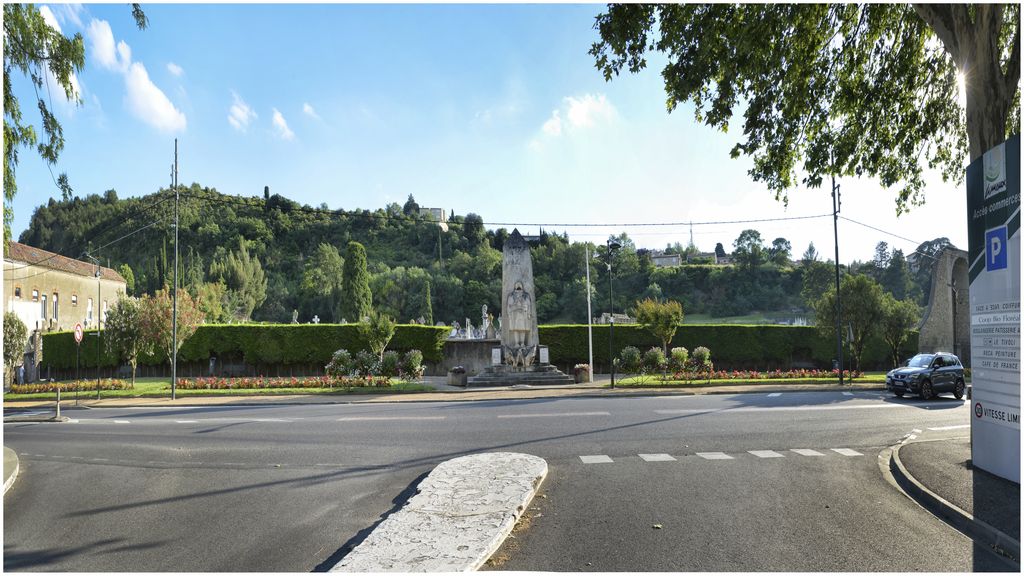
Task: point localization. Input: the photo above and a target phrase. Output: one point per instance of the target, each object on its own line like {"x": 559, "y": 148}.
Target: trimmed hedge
{"x": 256, "y": 344}
{"x": 732, "y": 346}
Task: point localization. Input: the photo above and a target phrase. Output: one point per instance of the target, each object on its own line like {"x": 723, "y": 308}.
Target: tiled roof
{"x": 36, "y": 256}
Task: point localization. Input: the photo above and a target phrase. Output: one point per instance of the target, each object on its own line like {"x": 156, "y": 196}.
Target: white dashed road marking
{"x": 186, "y": 421}
{"x": 846, "y": 452}
{"x": 765, "y": 453}
{"x": 957, "y": 427}
{"x": 775, "y": 394}
{"x": 656, "y": 458}
{"x": 714, "y": 455}
{"x": 807, "y": 452}
{"x": 554, "y": 414}
{"x": 122, "y": 422}
{"x": 847, "y": 393}
{"x": 598, "y": 459}
{"x": 386, "y": 418}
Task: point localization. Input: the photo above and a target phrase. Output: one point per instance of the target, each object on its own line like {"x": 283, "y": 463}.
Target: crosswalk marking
{"x": 714, "y": 455}
{"x": 765, "y": 453}
{"x": 656, "y": 458}
{"x": 597, "y": 459}
{"x": 807, "y": 452}
{"x": 846, "y": 452}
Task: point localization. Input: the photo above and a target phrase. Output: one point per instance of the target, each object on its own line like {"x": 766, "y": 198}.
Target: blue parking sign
{"x": 995, "y": 249}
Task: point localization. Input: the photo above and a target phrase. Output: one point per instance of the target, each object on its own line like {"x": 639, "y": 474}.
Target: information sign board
{"x": 993, "y": 213}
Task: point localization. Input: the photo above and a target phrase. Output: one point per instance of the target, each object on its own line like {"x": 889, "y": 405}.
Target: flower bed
{"x": 261, "y": 382}
{"x": 70, "y": 386}
{"x": 767, "y": 375}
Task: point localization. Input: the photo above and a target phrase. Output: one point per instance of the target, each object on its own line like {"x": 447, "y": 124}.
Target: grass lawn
{"x": 159, "y": 387}
{"x": 655, "y": 381}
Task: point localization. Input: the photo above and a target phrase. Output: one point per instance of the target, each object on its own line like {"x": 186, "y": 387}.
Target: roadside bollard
{"x": 58, "y": 403}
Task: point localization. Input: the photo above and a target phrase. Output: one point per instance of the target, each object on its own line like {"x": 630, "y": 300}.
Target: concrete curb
{"x": 462, "y": 512}
{"x": 11, "y": 468}
{"x": 960, "y": 519}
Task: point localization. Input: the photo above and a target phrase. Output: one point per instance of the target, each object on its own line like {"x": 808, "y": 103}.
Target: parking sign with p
{"x": 995, "y": 249}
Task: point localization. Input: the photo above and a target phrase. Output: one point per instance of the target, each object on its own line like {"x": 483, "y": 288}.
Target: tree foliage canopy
{"x": 840, "y": 89}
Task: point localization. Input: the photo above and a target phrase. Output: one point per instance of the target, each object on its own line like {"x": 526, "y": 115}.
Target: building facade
{"x": 50, "y": 292}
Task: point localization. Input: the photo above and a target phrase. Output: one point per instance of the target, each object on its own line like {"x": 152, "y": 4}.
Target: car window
{"x": 920, "y": 361}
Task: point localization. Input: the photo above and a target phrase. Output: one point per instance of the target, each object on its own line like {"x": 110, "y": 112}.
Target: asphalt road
{"x": 292, "y": 488}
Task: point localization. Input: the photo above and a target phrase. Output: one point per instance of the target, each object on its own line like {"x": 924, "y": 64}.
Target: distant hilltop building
{"x": 438, "y": 215}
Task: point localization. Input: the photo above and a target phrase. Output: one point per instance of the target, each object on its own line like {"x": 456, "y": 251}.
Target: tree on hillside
{"x": 897, "y": 280}
{"x": 123, "y": 334}
{"x": 926, "y": 255}
{"x": 243, "y": 278}
{"x": 780, "y": 251}
{"x": 41, "y": 52}
{"x": 661, "y": 318}
{"x": 411, "y": 208}
{"x": 15, "y": 338}
{"x": 862, "y": 311}
{"x": 720, "y": 250}
{"x": 810, "y": 255}
{"x": 155, "y": 321}
{"x": 356, "y": 299}
{"x": 899, "y": 317}
{"x": 428, "y": 309}
{"x": 749, "y": 251}
{"x": 849, "y": 89}
{"x": 129, "y": 278}
{"x": 321, "y": 283}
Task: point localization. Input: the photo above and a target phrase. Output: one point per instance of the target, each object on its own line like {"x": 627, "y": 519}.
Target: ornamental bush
{"x": 630, "y": 360}
{"x": 389, "y": 364}
{"x": 411, "y": 367}
{"x": 365, "y": 363}
{"x": 654, "y": 361}
{"x": 340, "y": 364}
{"x": 677, "y": 359}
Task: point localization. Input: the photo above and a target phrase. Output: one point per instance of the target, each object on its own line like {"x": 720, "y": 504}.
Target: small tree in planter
{"x": 377, "y": 329}
{"x": 660, "y": 318}
{"x": 124, "y": 332}
{"x": 582, "y": 373}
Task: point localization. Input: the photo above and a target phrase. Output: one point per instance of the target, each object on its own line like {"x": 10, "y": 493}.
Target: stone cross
{"x": 316, "y": 319}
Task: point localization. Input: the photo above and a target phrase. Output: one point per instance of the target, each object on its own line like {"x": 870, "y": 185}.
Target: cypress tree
{"x": 357, "y": 300}
{"x": 428, "y": 314}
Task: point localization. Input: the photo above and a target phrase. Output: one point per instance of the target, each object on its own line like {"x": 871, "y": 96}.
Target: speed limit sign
{"x": 78, "y": 333}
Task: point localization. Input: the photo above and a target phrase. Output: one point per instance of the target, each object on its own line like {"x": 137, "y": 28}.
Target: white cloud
{"x": 174, "y": 69}
{"x": 309, "y": 111}
{"x": 282, "y": 126}
{"x": 104, "y": 50}
{"x": 70, "y": 13}
{"x": 149, "y": 103}
{"x": 553, "y": 127}
{"x": 240, "y": 114}
{"x": 578, "y": 113}
{"x": 142, "y": 97}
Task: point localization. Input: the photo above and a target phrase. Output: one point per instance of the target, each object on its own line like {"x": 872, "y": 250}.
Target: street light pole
{"x": 956, "y": 296}
{"x": 612, "y": 247}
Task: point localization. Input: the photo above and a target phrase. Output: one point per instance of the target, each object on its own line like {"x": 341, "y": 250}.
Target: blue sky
{"x": 493, "y": 109}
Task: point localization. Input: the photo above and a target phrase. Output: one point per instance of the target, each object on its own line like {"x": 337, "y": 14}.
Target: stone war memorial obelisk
{"x": 521, "y": 359}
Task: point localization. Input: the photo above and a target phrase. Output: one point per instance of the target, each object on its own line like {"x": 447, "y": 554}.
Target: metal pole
{"x": 611, "y": 325}
{"x": 839, "y": 303}
{"x": 78, "y": 371}
{"x": 174, "y": 305}
{"x": 590, "y": 318}
{"x": 99, "y": 326}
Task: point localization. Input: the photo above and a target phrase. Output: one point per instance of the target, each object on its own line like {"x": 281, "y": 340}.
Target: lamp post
{"x": 952, "y": 286}
{"x": 99, "y": 320}
{"x": 612, "y": 247}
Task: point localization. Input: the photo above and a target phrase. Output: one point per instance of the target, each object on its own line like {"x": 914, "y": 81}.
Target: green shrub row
{"x": 255, "y": 344}
{"x": 733, "y": 346}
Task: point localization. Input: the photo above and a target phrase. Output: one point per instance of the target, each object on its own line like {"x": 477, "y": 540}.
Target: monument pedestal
{"x": 536, "y": 375}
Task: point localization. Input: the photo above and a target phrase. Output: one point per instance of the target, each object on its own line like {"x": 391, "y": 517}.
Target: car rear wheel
{"x": 958, "y": 391}
{"x": 926, "y": 390}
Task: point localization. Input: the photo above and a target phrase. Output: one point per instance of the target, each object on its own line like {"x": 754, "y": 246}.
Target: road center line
{"x": 555, "y": 414}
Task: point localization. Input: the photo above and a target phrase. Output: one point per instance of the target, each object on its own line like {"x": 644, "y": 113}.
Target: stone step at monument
{"x": 541, "y": 375}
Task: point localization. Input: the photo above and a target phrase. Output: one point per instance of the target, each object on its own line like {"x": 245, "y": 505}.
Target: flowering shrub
{"x": 630, "y": 360}
{"x": 411, "y": 367}
{"x": 340, "y": 364}
{"x": 654, "y": 360}
{"x": 768, "y": 374}
{"x": 389, "y": 364}
{"x": 365, "y": 363}
{"x": 262, "y": 382}
{"x": 70, "y": 386}
{"x": 677, "y": 359}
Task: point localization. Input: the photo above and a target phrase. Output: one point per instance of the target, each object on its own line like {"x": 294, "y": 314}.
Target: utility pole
{"x": 174, "y": 305}
{"x": 836, "y": 206}
{"x": 590, "y": 318}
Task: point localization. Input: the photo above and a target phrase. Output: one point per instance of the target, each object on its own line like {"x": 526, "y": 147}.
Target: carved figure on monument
{"x": 520, "y": 315}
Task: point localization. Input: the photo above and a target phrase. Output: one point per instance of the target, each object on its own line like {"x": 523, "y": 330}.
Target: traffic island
{"x": 462, "y": 512}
